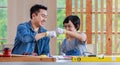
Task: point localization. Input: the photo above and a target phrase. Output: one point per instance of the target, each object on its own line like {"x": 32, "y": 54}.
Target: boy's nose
{"x": 67, "y": 28}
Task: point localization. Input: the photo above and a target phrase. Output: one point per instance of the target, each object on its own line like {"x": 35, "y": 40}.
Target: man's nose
{"x": 45, "y": 19}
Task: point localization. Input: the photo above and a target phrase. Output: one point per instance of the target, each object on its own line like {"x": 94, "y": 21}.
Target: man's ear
{"x": 33, "y": 15}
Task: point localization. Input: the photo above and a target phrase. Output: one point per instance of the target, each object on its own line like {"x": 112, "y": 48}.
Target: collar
{"x": 41, "y": 29}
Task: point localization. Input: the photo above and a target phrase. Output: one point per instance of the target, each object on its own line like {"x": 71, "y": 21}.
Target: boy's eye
{"x": 64, "y": 26}
{"x": 68, "y": 26}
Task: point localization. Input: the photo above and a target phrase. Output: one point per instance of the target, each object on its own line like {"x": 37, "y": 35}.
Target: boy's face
{"x": 40, "y": 18}
{"x": 69, "y": 26}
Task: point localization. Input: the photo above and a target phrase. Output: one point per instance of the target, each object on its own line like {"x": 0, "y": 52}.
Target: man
{"x": 31, "y": 37}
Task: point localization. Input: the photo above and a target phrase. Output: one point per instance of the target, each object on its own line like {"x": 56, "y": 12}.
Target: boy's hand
{"x": 51, "y": 34}
{"x": 60, "y": 31}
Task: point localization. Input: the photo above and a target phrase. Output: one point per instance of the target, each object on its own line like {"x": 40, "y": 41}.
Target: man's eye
{"x": 44, "y": 16}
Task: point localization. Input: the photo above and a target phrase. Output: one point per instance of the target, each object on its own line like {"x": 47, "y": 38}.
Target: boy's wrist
{"x": 64, "y": 31}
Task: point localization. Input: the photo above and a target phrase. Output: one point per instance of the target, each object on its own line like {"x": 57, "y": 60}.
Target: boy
{"x": 74, "y": 43}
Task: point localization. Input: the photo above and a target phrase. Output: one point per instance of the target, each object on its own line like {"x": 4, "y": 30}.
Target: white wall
{"x": 18, "y": 12}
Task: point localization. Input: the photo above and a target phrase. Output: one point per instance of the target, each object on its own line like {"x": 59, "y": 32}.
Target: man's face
{"x": 40, "y": 18}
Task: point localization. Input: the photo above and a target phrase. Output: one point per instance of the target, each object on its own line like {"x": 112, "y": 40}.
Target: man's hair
{"x": 35, "y": 9}
{"x": 74, "y": 19}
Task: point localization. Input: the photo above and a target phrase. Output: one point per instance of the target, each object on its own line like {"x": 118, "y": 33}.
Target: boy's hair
{"x": 74, "y": 19}
{"x": 35, "y": 9}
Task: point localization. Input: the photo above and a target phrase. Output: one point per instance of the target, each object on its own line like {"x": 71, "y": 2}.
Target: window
{"x": 61, "y": 14}
{"x": 3, "y": 21}
{"x": 98, "y": 15}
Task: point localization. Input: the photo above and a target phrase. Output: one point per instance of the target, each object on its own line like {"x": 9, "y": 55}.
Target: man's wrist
{"x": 46, "y": 33}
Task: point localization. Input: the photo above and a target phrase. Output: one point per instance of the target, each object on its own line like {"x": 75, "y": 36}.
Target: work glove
{"x": 60, "y": 31}
{"x": 51, "y": 34}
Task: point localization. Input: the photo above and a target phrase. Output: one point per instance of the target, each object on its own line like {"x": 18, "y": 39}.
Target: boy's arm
{"x": 81, "y": 36}
{"x": 77, "y": 35}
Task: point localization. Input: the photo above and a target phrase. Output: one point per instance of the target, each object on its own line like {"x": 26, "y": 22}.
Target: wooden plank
{"x": 109, "y": 27}
{"x": 89, "y": 21}
{"x": 116, "y": 26}
{"x": 81, "y": 15}
{"x": 26, "y": 59}
{"x": 102, "y": 20}
{"x": 68, "y": 7}
{"x": 76, "y": 7}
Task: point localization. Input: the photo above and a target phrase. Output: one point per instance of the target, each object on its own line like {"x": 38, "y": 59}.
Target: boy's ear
{"x": 78, "y": 27}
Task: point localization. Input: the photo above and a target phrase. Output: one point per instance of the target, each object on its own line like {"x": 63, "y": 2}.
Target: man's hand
{"x": 51, "y": 34}
{"x": 60, "y": 31}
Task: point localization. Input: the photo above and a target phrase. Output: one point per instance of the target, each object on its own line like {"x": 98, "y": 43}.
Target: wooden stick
{"x": 81, "y": 15}
{"x": 89, "y": 21}
{"x": 102, "y": 20}
{"x": 109, "y": 27}
{"x": 116, "y": 26}
{"x": 96, "y": 24}
{"x": 68, "y": 7}
{"x": 76, "y": 7}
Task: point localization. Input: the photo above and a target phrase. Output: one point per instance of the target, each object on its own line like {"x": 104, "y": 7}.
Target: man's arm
{"x": 46, "y": 49}
{"x": 48, "y": 33}
{"x": 40, "y": 35}
{"x": 24, "y": 35}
